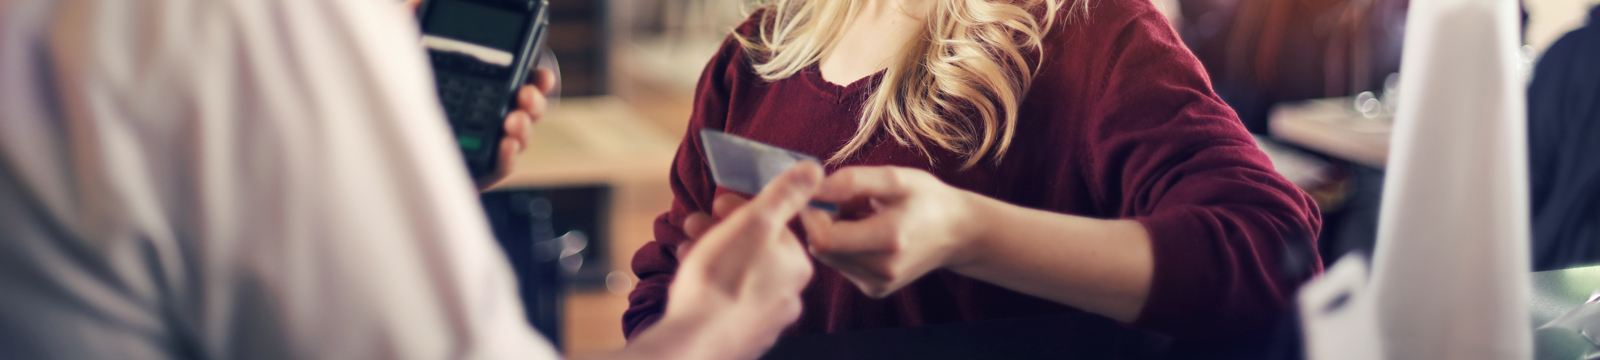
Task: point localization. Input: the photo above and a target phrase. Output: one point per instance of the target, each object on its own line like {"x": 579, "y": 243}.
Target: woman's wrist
{"x": 980, "y": 217}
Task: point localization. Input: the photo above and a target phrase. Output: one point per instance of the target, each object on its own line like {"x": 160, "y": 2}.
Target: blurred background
{"x": 1311, "y": 78}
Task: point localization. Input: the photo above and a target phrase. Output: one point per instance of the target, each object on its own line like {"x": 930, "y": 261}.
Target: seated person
{"x": 997, "y": 159}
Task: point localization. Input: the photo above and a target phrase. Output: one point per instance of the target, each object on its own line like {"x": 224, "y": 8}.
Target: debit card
{"x": 747, "y": 166}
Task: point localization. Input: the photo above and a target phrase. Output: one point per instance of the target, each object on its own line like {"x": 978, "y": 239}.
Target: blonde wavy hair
{"x": 971, "y": 56}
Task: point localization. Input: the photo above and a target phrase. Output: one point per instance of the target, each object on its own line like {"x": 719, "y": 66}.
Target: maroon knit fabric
{"x": 1121, "y": 122}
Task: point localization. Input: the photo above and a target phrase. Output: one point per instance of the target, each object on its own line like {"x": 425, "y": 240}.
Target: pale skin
{"x": 738, "y": 287}
{"x": 738, "y": 284}
{"x": 872, "y": 39}
{"x": 916, "y": 223}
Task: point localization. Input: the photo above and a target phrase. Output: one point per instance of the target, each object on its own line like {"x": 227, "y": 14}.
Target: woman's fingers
{"x": 816, "y": 222}
{"x": 872, "y": 235}
{"x": 695, "y": 226}
{"x": 726, "y": 204}
{"x": 884, "y": 183}
{"x": 856, "y": 249}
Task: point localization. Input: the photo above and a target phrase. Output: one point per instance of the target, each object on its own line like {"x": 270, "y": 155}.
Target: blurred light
{"x": 1367, "y": 104}
{"x": 619, "y": 282}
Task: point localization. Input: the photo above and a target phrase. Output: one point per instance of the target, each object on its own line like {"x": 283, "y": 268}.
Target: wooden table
{"x": 1330, "y": 126}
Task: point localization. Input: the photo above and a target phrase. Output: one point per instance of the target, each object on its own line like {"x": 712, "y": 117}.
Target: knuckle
{"x": 790, "y": 307}
{"x": 763, "y": 227}
{"x": 895, "y": 178}
{"x": 896, "y": 235}
{"x": 882, "y": 273}
{"x": 804, "y": 273}
{"x": 844, "y": 176}
{"x": 821, "y": 246}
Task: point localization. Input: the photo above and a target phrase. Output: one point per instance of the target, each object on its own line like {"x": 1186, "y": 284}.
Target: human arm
{"x": 921, "y": 224}
{"x": 693, "y": 191}
{"x": 402, "y": 263}
{"x": 1145, "y": 143}
{"x": 739, "y": 284}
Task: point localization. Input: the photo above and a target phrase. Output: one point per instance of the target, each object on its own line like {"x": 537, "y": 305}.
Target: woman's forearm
{"x": 1100, "y": 266}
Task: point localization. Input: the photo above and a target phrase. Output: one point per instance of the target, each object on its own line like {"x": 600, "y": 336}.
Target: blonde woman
{"x": 996, "y": 158}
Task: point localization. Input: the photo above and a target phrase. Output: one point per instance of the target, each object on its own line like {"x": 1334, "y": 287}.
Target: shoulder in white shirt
{"x": 237, "y": 179}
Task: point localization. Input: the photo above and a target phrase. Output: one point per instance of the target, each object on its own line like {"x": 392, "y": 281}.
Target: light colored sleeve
{"x": 291, "y": 179}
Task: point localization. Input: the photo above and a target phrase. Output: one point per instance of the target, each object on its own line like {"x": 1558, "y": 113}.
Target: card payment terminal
{"x": 482, "y": 52}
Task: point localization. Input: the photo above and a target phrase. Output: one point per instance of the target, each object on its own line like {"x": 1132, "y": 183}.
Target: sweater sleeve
{"x": 1170, "y": 154}
{"x": 692, "y": 188}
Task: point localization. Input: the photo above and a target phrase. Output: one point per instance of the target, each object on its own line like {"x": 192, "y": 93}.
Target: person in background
{"x": 1563, "y": 137}
{"x": 997, "y": 159}
{"x": 275, "y": 180}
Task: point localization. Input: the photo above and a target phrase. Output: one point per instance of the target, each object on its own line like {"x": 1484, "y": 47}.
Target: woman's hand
{"x": 739, "y": 285}
{"x": 910, "y": 223}
{"x": 914, "y": 223}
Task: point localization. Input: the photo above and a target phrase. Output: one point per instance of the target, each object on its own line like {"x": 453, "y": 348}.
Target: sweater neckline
{"x": 812, "y": 75}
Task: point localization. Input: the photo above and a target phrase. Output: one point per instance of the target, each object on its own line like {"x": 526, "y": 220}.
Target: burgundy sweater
{"x": 1121, "y": 122}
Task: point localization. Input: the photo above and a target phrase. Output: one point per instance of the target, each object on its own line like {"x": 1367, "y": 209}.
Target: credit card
{"x": 746, "y": 166}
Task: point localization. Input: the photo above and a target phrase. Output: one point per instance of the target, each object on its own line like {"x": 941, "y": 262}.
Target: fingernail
{"x": 807, "y": 177}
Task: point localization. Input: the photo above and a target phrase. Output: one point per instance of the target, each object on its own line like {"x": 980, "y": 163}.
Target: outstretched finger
{"x": 785, "y": 195}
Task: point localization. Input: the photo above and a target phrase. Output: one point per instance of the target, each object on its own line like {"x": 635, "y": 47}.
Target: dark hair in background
{"x": 1564, "y": 150}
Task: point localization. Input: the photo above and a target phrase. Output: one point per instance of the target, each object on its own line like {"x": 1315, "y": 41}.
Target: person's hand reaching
{"x": 738, "y": 285}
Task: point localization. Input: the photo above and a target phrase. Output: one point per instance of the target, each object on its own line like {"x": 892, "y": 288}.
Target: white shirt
{"x": 237, "y": 179}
